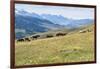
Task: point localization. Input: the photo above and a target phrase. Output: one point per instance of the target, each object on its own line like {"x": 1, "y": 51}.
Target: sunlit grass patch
{"x": 76, "y": 47}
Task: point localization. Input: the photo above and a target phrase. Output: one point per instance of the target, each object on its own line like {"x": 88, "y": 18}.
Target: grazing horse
{"x": 89, "y": 30}
{"x": 49, "y": 36}
{"x": 20, "y": 40}
{"x": 27, "y": 39}
{"x": 60, "y": 34}
{"x": 35, "y": 36}
{"x": 83, "y": 31}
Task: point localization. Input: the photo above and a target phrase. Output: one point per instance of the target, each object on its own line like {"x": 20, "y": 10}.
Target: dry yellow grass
{"x": 76, "y": 47}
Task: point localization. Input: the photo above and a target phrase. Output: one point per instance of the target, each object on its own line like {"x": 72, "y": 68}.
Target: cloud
{"x": 68, "y": 12}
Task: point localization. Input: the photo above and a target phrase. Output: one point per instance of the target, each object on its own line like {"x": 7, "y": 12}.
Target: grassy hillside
{"x": 73, "y": 47}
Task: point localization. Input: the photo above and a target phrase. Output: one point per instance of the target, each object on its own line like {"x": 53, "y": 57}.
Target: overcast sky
{"x": 68, "y": 12}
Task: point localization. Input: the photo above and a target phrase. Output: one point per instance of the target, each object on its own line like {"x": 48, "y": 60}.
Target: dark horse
{"x": 27, "y": 39}
{"x": 20, "y": 40}
{"x": 35, "y": 36}
{"x": 61, "y": 34}
{"x": 49, "y": 36}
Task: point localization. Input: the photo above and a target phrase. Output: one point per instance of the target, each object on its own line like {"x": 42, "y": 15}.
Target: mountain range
{"x": 27, "y": 23}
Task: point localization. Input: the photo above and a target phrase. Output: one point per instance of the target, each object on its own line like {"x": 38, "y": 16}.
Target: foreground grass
{"x": 75, "y": 47}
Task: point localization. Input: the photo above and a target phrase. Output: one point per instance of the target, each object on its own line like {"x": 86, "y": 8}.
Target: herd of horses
{"x": 34, "y": 37}
{"x": 84, "y": 31}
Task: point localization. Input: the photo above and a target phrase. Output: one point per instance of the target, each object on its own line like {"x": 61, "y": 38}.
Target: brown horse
{"x": 35, "y": 36}
{"x": 20, "y": 40}
{"x": 61, "y": 34}
{"x": 49, "y": 36}
{"x": 27, "y": 39}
